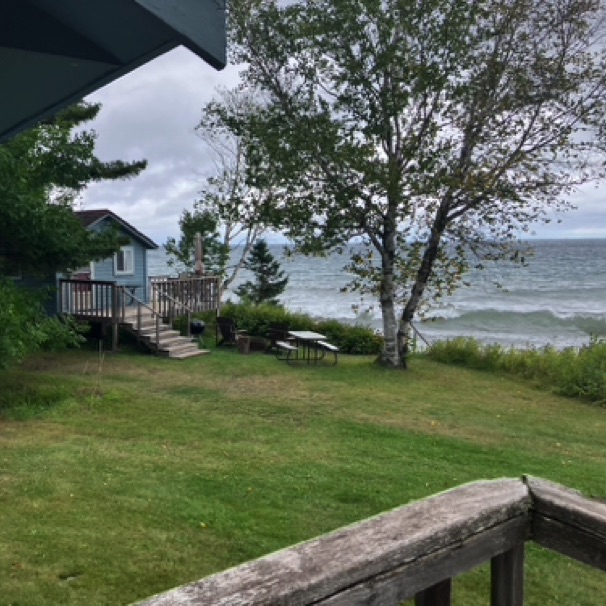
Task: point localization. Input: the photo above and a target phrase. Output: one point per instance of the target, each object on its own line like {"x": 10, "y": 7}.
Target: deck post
{"x": 439, "y": 594}
{"x": 114, "y": 318}
{"x": 157, "y": 333}
{"x": 60, "y": 302}
{"x": 507, "y": 577}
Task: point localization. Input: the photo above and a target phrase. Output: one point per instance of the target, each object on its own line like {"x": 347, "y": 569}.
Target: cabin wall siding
{"x": 101, "y": 270}
{"x": 105, "y": 269}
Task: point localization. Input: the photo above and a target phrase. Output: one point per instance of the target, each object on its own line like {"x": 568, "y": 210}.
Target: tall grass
{"x": 570, "y": 372}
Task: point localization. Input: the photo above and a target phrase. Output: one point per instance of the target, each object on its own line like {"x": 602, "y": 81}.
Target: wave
{"x": 521, "y": 323}
{"x": 563, "y": 310}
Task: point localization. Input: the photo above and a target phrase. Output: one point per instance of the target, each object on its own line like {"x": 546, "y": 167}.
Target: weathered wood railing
{"x": 141, "y": 309}
{"x": 107, "y": 302}
{"x": 89, "y": 298}
{"x": 176, "y": 308}
{"x": 198, "y": 293}
{"x": 415, "y": 551}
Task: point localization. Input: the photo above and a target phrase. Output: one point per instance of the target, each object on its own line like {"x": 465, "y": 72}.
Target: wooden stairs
{"x": 171, "y": 344}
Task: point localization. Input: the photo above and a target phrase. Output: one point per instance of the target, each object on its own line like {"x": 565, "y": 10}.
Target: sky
{"x": 152, "y": 112}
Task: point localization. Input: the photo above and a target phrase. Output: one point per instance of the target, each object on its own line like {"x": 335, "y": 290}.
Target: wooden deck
{"x": 107, "y": 301}
{"x": 113, "y": 305}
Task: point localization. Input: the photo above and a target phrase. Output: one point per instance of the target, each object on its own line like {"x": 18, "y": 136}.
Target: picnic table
{"x": 305, "y": 346}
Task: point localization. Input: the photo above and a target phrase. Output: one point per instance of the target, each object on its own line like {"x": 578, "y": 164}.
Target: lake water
{"x": 559, "y": 298}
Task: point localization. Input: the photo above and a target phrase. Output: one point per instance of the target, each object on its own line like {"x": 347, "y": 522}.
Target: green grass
{"x": 574, "y": 372}
{"x": 122, "y": 479}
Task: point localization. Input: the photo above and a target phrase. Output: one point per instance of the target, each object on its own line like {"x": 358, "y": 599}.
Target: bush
{"x": 26, "y": 328}
{"x": 570, "y": 372}
{"x": 255, "y": 319}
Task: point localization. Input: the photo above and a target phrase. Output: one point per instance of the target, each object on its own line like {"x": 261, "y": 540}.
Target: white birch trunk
{"x": 390, "y": 355}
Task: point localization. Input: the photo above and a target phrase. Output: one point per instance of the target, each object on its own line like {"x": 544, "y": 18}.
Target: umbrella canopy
{"x": 54, "y": 52}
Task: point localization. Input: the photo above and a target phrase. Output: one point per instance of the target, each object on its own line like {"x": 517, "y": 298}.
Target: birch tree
{"x": 436, "y": 131}
{"x": 239, "y": 209}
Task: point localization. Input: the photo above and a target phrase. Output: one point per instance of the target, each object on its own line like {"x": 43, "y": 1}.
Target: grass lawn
{"x": 124, "y": 478}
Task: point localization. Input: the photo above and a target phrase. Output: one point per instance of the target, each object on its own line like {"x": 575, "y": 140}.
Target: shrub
{"x": 570, "y": 372}
{"x": 255, "y": 319}
{"x": 26, "y": 328}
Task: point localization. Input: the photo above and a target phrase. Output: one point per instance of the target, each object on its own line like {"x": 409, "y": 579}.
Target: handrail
{"x": 134, "y": 298}
{"x": 140, "y": 304}
{"x": 74, "y": 281}
{"x": 164, "y": 279}
{"x": 415, "y": 551}
{"x": 163, "y": 294}
{"x": 173, "y": 300}
{"x": 194, "y": 294}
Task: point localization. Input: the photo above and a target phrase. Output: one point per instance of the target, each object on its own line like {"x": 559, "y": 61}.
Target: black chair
{"x": 278, "y": 331}
{"x": 226, "y": 332}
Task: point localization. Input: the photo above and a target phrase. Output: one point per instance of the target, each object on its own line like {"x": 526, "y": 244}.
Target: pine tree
{"x": 270, "y": 280}
{"x": 42, "y": 173}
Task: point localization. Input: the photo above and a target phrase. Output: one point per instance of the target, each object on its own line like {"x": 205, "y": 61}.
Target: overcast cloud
{"x": 152, "y": 112}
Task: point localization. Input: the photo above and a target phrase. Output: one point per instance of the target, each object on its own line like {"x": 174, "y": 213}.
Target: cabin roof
{"x": 54, "y": 52}
{"x": 89, "y": 218}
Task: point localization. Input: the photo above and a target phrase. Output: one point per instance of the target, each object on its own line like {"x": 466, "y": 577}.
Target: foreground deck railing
{"x": 415, "y": 551}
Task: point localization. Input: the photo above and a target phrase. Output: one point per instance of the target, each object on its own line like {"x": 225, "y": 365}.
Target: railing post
{"x": 507, "y": 577}
{"x": 188, "y": 323}
{"x": 60, "y": 308}
{"x": 439, "y": 594}
{"x": 157, "y": 333}
{"x": 115, "y": 318}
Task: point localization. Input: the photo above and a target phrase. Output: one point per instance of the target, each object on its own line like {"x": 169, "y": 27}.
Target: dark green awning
{"x": 54, "y": 52}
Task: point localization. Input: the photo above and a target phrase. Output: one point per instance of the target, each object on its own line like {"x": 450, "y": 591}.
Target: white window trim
{"x": 129, "y": 271}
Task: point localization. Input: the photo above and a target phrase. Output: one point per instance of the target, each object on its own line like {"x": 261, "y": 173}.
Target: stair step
{"x": 189, "y": 354}
{"x": 147, "y": 318}
{"x": 172, "y": 344}
{"x": 148, "y": 328}
{"x": 179, "y": 346}
{"x": 167, "y": 342}
{"x": 169, "y": 333}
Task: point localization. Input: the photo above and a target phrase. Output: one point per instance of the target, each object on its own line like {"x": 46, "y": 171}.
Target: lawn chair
{"x": 278, "y": 331}
{"x": 226, "y": 332}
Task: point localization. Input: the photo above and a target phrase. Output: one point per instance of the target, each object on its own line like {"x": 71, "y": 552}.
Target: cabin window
{"x": 124, "y": 261}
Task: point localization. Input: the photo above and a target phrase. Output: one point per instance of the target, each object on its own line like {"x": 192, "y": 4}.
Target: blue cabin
{"x": 119, "y": 292}
{"x": 128, "y": 267}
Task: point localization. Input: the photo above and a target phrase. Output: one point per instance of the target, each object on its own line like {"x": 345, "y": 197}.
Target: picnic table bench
{"x": 285, "y": 350}
{"x": 308, "y": 346}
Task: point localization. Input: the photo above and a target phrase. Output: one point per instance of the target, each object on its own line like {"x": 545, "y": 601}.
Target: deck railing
{"x": 195, "y": 293}
{"x": 415, "y": 551}
{"x": 171, "y": 298}
{"x": 142, "y": 309}
{"x": 175, "y": 308}
{"x": 89, "y": 298}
